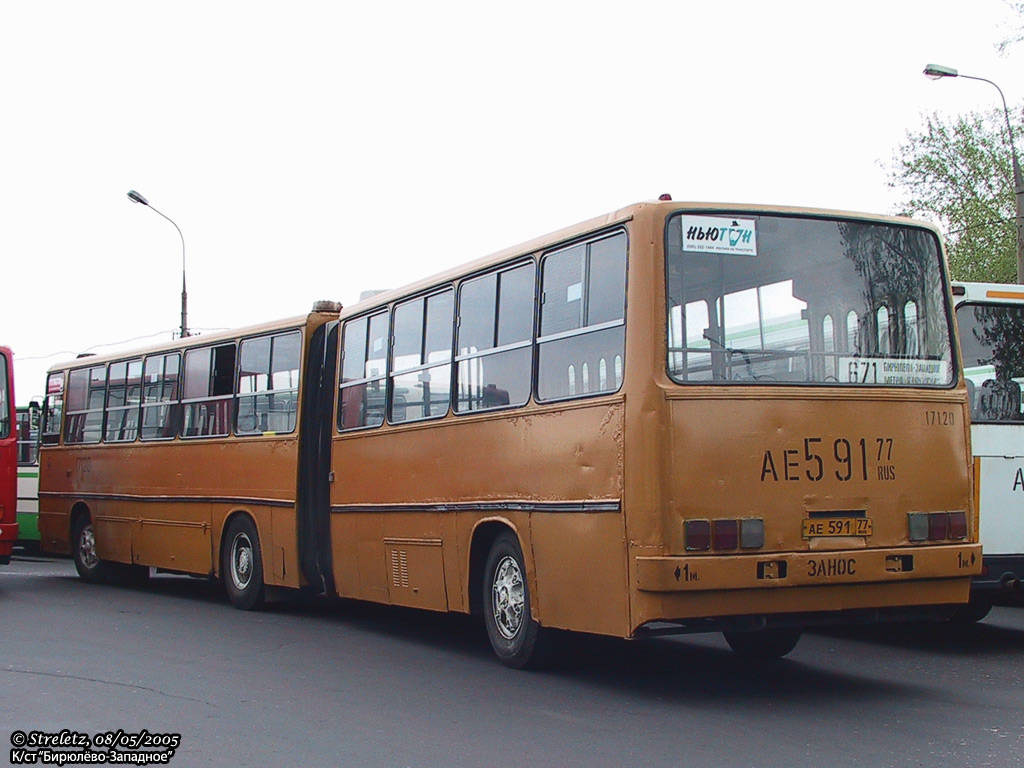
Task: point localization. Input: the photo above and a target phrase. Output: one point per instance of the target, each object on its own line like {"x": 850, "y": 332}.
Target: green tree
{"x": 958, "y": 174}
{"x": 1015, "y": 29}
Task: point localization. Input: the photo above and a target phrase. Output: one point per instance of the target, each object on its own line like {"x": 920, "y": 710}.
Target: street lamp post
{"x": 936, "y": 72}
{"x": 135, "y": 197}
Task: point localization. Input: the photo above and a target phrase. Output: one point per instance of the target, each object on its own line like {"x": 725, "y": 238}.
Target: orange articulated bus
{"x": 674, "y": 418}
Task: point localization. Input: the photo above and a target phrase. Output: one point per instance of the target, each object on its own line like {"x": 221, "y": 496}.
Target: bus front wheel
{"x": 88, "y": 564}
{"x": 764, "y": 644}
{"x": 242, "y": 566}
{"x": 512, "y": 631}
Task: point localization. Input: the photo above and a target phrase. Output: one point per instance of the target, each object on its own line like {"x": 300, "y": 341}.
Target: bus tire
{"x": 764, "y": 644}
{"x": 242, "y": 565}
{"x": 513, "y": 633}
{"x": 88, "y": 564}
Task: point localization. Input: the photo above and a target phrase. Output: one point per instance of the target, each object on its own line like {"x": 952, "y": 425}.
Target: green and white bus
{"x": 28, "y": 474}
{"x": 990, "y": 318}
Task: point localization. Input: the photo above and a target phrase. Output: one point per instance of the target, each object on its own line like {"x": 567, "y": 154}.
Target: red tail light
{"x": 726, "y": 534}
{"x": 938, "y": 526}
{"x": 958, "y": 525}
{"x": 698, "y": 535}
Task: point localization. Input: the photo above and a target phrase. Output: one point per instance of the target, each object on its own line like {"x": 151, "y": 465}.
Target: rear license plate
{"x": 837, "y": 526}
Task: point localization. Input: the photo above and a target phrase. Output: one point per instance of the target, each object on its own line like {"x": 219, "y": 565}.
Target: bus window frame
{"x": 384, "y": 377}
{"x": 238, "y": 396}
{"x": 230, "y": 397}
{"x": 109, "y": 410}
{"x": 584, "y": 330}
{"x": 977, "y": 302}
{"x": 68, "y": 413}
{"x": 175, "y": 411}
{"x": 530, "y": 343}
{"x": 424, "y": 296}
{"x": 952, "y": 332}
{"x": 53, "y": 438}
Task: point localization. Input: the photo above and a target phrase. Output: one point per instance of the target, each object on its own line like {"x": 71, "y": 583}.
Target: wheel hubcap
{"x": 87, "y": 547}
{"x": 241, "y": 561}
{"x": 508, "y": 597}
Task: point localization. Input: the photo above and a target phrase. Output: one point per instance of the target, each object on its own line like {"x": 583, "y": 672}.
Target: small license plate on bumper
{"x": 836, "y": 526}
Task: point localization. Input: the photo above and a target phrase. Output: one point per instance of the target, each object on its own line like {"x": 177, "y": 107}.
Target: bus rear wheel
{"x": 513, "y": 633}
{"x": 764, "y": 644}
{"x": 88, "y": 564}
{"x": 242, "y": 565}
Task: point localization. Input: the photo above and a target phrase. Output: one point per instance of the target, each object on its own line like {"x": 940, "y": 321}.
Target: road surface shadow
{"x": 678, "y": 669}
{"x": 986, "y": 638}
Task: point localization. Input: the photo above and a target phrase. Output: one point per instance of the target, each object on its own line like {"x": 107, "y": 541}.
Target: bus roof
{"x": 965, "y": 291}
{"x": 88, "y": 360}
{"x": 653, "y": 209}
{"x": 650, "y": 210}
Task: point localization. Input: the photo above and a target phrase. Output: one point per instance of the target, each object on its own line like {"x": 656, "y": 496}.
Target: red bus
{"x": 8, "y": 459}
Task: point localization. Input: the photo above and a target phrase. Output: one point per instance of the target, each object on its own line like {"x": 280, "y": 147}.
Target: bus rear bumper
{"x": 797, "y": 620}
{"x": 806, "y": 569}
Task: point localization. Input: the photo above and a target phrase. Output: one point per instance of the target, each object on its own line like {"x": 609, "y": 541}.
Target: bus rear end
{"x": 991, "y": 325}
{"x": 8, "y": 458}
{"x": 815, "y": 459}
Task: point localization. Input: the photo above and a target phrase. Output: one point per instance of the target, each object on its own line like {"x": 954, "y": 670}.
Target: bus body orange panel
{"x": 815, "y": 456}
{"x": 554, "y": 475}
{"x": 824, "y": 461}
{"x": 156, "y": 504}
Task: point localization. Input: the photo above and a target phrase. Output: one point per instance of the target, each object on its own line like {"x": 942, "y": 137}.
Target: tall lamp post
{"x": 937, "y": 72}
{"x": 135, "y": 197}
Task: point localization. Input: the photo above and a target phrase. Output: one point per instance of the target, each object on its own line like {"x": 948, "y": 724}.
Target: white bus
{"x": 990, "y": 317}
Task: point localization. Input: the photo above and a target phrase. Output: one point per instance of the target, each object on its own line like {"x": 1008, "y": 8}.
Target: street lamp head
{"x": 937, "y": 72}
{"x": 135, "y": 197}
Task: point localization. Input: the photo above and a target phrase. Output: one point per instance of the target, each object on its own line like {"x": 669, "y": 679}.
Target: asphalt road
{"x": 316, "y": 682}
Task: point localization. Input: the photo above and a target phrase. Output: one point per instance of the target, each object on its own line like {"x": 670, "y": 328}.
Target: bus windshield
{"x": 992, "y": 341}
{"x": 784, "y": 299}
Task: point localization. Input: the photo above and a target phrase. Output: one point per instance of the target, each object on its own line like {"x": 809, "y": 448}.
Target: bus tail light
{"x": 698, "y": 535}
{"x": 937, "y": 526}
{"x": 958, "y": 525}
{"x": 724, "y": 534}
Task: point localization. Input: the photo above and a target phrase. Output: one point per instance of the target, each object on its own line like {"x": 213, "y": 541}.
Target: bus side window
{"x": 53, "y": 408}
{"x": 421, "y": 357}
{"x": 124, "y": 394}
{"x": 362, "y": 385}
{"x": 208, "y": 391}
{"x": 495, "y": 336}
{"x": 268, "y": 384}
{"x": 583, "y": 291}
{"x": 86, "y": 395}
{"x": 5, "y": 397}
{"x": 161, "y": 410}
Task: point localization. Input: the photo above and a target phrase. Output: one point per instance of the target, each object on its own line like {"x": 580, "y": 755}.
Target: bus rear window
{"x": 992, "y": 342}
{"x": 757, "y": 299}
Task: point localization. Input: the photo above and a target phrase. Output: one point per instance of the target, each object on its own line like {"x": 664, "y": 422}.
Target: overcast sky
{"x": 311, "y": 150}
